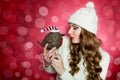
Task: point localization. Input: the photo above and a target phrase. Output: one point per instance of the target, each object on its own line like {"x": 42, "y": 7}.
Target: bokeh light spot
{"x": 39, "y": 23}
{"x": 17, "y": 74}
{"x": 39, "y": 57}
{"x": 41, "y": 67}
{"x": 28, "y": 18}
{"x": 54, "y": 19}
{"x": 25, "y": 78}
{"x": 118, "y": 76}
{"x": 108, "y": 12}
{"x": 29, "y": 55}
{"x": 111, "y": 23}
{"x": 28, "y": 45}
{"x": 43, "y": 11}
{"x": 113, "y": 48}
{"x": 22, "y": 31}
{"x": 117, "y": 61}
{"x": 26, "y": 64}
{"x": 13, "y": 65}
{"x": 36, "y": 76}
{"x": 52, "y": 78}
{"x": 28, "y": 72}
{"x": 109, "y": 74}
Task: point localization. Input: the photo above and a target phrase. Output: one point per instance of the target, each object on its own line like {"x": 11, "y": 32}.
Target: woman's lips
{"x": 71, "y": 37}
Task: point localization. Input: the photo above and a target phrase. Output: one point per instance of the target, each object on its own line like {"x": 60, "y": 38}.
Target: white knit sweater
{"x": 81, "y": 75}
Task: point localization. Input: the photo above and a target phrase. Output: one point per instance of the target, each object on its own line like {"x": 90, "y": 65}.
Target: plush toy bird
{"x": 53, "y": 38}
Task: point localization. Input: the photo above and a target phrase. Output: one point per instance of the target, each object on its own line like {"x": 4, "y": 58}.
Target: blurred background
{"x": 21, "y": 57}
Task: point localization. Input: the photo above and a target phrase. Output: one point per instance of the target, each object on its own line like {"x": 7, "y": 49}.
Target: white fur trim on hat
{"x": 86, "y": 18}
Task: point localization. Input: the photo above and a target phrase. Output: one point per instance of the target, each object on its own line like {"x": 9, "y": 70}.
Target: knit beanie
{"x": 86, "y": 18}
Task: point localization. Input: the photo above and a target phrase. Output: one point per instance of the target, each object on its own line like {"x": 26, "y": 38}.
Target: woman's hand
{"x": 57, "y": 63}
{"x": 48, "y": 54}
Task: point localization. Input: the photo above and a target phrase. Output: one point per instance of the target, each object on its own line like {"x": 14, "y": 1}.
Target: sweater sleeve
{"x": 64, "y": 53}
{"x": 67, "y": 76}
{"x": 104, "y": 64}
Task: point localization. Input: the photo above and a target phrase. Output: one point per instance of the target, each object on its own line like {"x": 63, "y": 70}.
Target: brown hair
{"x": 89, "y": 47}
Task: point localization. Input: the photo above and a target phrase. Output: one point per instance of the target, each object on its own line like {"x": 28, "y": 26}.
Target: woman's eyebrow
{"x": 75, "y": 26}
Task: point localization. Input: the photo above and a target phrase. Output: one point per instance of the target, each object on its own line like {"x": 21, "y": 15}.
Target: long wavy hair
{"x": 89, "y": 48}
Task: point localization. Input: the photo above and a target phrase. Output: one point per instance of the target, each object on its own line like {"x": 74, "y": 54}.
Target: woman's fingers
{"x": 45, "y": 48}
{"x": 52, "y": 50}
{"x": 56, "y": 58}
{"x": 51, "y": 55}
{"x": 55, "y": 61}
{"x": 48, "y": 54}
{"x": 48, "y": 51}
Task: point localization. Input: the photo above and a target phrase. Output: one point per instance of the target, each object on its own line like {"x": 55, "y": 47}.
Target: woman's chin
{"x": 75, "y": 42}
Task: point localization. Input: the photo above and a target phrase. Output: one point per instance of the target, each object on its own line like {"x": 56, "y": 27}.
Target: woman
{"x": 81, "y": 58}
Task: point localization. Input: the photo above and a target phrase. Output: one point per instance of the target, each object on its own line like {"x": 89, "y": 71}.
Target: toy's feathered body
{"x": 53, "y": 39}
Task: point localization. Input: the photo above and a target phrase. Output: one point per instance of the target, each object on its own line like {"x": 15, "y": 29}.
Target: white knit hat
{"x": 86, "y": 18}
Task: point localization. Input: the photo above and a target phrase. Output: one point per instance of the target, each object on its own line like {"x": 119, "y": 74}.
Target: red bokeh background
{"x": 20, "y": 23}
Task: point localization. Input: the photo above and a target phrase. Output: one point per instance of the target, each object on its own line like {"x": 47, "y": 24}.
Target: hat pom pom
{"x": 90, "y": 5}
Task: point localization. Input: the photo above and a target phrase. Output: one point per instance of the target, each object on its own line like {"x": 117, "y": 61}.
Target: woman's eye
{"x": 75, "y": 28}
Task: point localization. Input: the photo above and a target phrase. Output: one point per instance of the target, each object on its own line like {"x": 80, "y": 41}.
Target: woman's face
{"x": 74, "y": 33}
